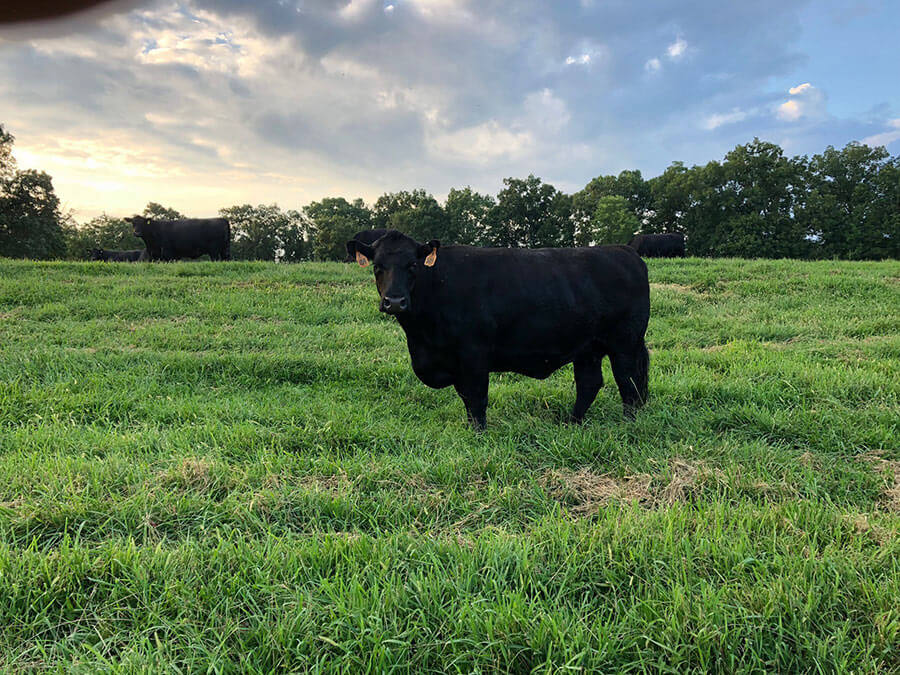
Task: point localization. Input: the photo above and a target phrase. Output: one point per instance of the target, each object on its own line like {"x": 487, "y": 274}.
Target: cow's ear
{"x": 364, "y": 253}
{"x": 129, "y": 219}
{"x": 429, "y": 252}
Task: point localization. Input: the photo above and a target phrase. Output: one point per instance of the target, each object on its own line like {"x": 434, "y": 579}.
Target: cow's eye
{"x": 378, "y": 269}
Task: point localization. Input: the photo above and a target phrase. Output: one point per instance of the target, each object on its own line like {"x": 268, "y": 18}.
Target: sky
{"x": 203, "y": 104}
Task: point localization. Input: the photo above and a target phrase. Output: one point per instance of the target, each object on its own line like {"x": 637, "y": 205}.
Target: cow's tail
{"x": 227, "y": 255}
{"x": 642, "y": 368}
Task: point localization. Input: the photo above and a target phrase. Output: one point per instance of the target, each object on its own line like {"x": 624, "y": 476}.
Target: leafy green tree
{"x": 7, "y": 161}
{"x": 266, "y": 232}
{"x": 416, "y": 213}
{"x": 532, "y": 214}
{"x": 294, "y": 236}
{"x": 333, "y": 222}
{"x": 744, "y": 206}
{"x": 31, "y": 225}
{"x": 852, "y": 209}
{"x": 154, "y": 210}
{"x": 101, "y": 232}
{"x": 467, "y": 214}
{"x": 613, "y": 222}
{"x": 630, "y": 185}
{"x": 670, "y": 199}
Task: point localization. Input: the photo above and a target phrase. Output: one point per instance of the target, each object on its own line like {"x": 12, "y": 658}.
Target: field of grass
{"x": 232, "y": 467}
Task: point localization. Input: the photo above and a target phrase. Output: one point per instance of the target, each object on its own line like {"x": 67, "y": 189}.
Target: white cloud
{"x": 222, "y": 101}
{"x": 480, "y": 144}
{"x": 444, "y": 11}
{"x": 161, "y": 120}
{"x": 677, "y": 49}
{"x": 717, "y": 120}
{"x": 806, "y": 102}
{"x": 790, "y": 111}
{"x": 544, "y": 116}
{"x": 886, "y": 137}
{"x": 545, "y": 112}
{"x": 202, "y": 41}
{"x": 357, "y": 9}
{"x": 586, "y": 54}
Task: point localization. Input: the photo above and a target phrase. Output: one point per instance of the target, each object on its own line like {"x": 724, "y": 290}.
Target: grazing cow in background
{"x": 670, "y": 245}
{"x": 470, "y": 311}
{"x": 366, "y": 237}
{"x": 187, "y": 238}
{"x": 105, "y": 255}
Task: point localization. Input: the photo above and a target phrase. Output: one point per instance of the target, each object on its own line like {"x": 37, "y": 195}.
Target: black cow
{"x": 105, "y": 255}
{"x": 470, "y": 311}
{"x": 188, "y": 238}
{"x": 366, "y": 237}
{"x": 670, "y": 245}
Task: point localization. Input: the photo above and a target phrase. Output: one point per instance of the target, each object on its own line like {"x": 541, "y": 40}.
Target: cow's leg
{"x": 588, "y": 381}
{"x": 629, "y": 367}
{"x": 473, "y": 390}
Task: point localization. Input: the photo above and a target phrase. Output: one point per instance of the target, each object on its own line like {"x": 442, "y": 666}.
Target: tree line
{"x": 755, "y": 202}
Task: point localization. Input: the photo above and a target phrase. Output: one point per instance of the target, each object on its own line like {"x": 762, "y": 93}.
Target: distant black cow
{"x": 118, "y": 256}
{"x": 187, "y": 238}
{"x": 470, "y": 311}
{"x": 669, "y": 245}
{"x": 366, "y": 237}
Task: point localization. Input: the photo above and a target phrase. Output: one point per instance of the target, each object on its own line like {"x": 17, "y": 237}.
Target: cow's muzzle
{"x": 391, "y": 305}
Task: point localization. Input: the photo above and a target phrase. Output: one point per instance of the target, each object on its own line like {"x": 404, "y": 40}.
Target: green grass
{"x": 232, "y": 467}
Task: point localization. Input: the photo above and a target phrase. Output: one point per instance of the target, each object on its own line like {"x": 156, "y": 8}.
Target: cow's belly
{"x": 538, "y": 365}
{"x": 190, "y": 251}
{"x": 537, "y": 352}
{"x": 431, "y": 366}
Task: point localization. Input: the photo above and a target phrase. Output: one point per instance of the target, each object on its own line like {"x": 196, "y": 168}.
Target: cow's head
{"x": 397, "y": 261}
{"x": 97, "y": 254}
{"x": 139, "y": 224}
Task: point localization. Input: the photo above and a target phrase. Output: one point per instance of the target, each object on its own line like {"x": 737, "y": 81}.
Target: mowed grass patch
{"x": 232, "y": 466}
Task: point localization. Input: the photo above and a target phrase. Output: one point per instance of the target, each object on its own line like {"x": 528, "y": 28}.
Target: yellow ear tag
{"x": 431, "y": 258}
{"x": 361, "y": 259}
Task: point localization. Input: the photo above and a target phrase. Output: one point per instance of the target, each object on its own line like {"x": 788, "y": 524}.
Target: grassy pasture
{"x": 232, "y": 466}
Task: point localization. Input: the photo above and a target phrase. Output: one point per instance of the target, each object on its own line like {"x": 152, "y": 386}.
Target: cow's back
{"x": 531, "y": 311}
{"x": 665, "y": 245}
{"x": 194, "y": 237}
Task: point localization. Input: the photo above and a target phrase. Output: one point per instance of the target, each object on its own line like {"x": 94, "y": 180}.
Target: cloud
{"x": 204, "y": 103}
{"x": 886, "y": 137}
{"x": 481, "y": 144}
{"x": 806, "y": 102}
{"x": 674, "y": 52}
{"x": 677, "y": 49}
{"x": 543, "y": 117}
{"x": 586, "y": 54}
{"x": 717, "y": 120}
